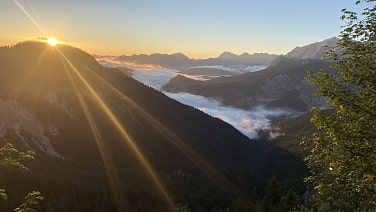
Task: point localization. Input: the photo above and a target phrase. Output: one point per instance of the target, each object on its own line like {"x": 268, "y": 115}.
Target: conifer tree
{"x": 272, "y": 198}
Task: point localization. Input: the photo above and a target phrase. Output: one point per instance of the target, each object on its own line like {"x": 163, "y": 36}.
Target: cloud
{"x": 154, "y": 76}
{"x": 236, "y": 69}
{"x": 150, "y": 75}
{"x": 248, "y": 122}
{"x": 275, "y": 133}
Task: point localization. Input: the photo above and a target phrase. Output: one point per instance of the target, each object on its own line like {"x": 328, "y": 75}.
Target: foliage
{"x": 343, "y": 156}
{"x": 11, "y": 157}
{"x": 31, "y": 199}
{"x": 290, "y": 200}
{"x": 320, "y": 207}
{"x": 3, "y": 194}
{"x": 183, "y": 208}
{"x": 274, "y": 201}
{"x": 272, "y": 198}
{"x": 302, "y": 208}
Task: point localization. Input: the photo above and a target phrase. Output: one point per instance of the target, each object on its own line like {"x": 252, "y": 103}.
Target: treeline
{"x": 71, "y": 186}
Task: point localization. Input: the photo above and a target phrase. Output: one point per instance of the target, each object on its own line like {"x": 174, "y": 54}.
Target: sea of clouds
{"x": 236, "y": 69}
{"x": 248, "y": 122}
{"x": 154, "y": 78}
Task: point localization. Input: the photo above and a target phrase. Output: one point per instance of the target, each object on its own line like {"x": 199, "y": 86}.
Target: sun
{"x": 52, "y": 41}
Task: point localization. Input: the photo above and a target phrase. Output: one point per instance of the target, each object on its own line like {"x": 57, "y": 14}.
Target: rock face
{"x": 281, "y": 85}
{"x": 15, "y": 117}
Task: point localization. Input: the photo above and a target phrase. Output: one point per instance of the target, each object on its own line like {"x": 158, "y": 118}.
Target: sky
{"x": 197, "y": 28}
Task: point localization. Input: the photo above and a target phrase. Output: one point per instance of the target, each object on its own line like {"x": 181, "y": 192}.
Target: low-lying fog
{"x": 249, "y": 122}
{"x": 236, "y": 69}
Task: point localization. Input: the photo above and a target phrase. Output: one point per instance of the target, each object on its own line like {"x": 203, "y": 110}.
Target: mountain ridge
{"x": 66, "y": 91}
{"x": 314, "y": 50}
{"x": 271, "y": 87}
{"x": 282, "y": 84}
{"x": 181, "y": 62}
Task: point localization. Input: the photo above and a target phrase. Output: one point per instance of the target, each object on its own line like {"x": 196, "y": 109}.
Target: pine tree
{"x": 290, "y": 200}
{"x": 272, "y": 198}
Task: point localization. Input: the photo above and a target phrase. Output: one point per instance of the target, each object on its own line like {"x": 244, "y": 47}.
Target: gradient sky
{"x": 197, "y": 28}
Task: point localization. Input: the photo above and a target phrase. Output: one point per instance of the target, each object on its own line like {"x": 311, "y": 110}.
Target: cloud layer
{"x": 236, "y": 69}
{"x": 248, "y": 122}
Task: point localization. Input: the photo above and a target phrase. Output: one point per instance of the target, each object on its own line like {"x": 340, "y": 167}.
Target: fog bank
{"x": 248, "y": 122}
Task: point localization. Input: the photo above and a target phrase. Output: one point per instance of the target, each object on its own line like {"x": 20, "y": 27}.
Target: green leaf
{"x": 3, "y": 194}
{"x": 33, "y": 198}
{"x": 342, "y": 159}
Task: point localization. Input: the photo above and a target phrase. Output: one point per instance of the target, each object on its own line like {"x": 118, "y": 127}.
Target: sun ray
{"x": 156, "y": 68}
{"x": 26, "y": 76}
{"x": 176, "y": 141}
{"x": 127, "y": 138}
{"x": 30, "y": 17}
{"x": 108, "y": 163}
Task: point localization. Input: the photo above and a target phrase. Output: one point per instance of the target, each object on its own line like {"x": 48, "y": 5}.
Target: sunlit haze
{"x": 199, "y": 29}
{"x": 52, "y": 41}
{"x": 187, "y": 105}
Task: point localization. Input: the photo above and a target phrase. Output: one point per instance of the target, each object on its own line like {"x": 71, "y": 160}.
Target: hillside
{"x": 106, "y": 142}
{"x": 281, "y": 85}
{"x": 314, "y": 50}
{"x": 207, "y": 72}
{"x": 288, "y": 134}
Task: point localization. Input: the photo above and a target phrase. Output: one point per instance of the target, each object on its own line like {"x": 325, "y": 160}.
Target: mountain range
{"x": 181, "y": 62}
{"x": 281, "y": 85}
{"x": 105, "y": 142}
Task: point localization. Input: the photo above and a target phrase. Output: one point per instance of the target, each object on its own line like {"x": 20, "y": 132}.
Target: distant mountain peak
{"x": 181, "y": 55}
{"x": 180, "y": 61}
{"x": 312, "y": 51}
{"x": 227, "y": 55}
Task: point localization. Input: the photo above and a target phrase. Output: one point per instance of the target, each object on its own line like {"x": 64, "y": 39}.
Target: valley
{"x": 187, "y": 106}
{"x": 90, "y": 124}
{"x": 252, "y": 101}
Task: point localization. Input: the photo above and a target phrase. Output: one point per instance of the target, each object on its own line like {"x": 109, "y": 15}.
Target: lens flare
{"x": 28, "y": 15}
{"x": 181, "y": 145}
{"x": 127, "y": 138}
{"x": 52, "y": 41}
{"x": 107, "y": 161}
